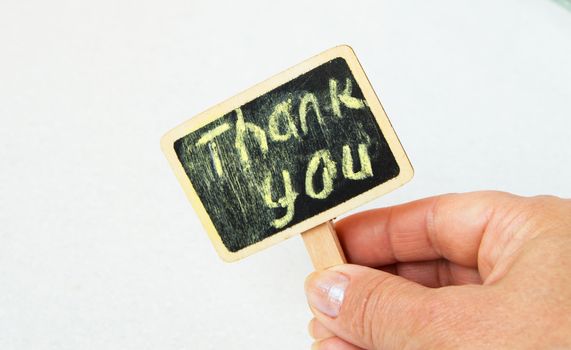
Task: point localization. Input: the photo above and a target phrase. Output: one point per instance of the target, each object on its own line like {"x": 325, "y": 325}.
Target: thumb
{"x": 370, "y": 308}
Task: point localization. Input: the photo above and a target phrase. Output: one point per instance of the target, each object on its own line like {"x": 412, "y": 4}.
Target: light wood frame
{"x": 204, "y": 118}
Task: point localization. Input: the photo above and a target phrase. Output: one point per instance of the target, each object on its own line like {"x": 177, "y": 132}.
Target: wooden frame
{"x": 406, "y": 170}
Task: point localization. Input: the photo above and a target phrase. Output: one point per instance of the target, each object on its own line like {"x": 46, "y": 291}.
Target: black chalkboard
{"x": 288, "y": 155}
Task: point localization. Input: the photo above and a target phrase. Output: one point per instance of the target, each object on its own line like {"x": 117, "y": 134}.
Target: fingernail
{"x": 325, "y": 291}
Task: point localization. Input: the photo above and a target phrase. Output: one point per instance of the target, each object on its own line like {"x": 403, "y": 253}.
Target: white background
{"x": 99, "y": 248}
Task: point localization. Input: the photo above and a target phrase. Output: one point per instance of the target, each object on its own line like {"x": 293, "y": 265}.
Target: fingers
{"x": 436, "y": 273}
{"x": 318, "y": 331}
{"x": 325, "y": 339}
{"x": 448, "y": 226}
{"x": 370, "y": 308}
{"x": 333, "y": 343}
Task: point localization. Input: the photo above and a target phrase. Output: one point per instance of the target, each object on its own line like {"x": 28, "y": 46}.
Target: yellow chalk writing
{"x": 276, "y": 183}
{"x": 329, "y": 174}
{"x": 215, "y": 158}
{"x": 347, "y": 164}
{"x": 287, "y": 201}
{"x": 242, "y": 129}
{"x": 344, "y": 98}
{"x": 282, "y": 115}
{"x": 308, "y": 100}
{"x": 208, "y": 138}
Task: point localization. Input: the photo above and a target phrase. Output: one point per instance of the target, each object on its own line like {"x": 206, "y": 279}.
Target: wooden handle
{"x": 323, "y": 246}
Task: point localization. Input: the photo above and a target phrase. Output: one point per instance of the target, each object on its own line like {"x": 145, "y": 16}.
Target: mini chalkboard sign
{"x": 287, "y": 156}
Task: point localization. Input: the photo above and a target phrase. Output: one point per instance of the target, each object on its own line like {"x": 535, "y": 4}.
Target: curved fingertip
{"x": 318, "y": 331}
{"x": 333, "y": 343}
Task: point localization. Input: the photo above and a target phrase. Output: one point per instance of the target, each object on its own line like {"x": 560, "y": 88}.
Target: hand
{"x": 478, "y": 270}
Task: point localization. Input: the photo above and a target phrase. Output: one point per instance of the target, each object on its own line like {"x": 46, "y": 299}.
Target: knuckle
{"x": 545, "y": 211}
{"x": 526, "y": 216}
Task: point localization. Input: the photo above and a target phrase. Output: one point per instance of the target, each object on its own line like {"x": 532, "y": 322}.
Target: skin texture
{"x": 475, "y": 270}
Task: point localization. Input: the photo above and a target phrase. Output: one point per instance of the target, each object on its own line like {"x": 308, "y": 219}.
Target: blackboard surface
{"x": 287, "y": 155}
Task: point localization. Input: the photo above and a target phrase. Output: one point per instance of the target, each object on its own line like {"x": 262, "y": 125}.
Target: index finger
{"x": 449, "y": 226}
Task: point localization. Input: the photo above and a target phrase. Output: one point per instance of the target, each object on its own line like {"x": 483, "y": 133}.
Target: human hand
{"x": 476, "y": 270}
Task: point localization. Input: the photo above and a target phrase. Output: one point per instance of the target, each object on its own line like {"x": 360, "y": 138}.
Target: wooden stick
{"x": 323, "y": 246}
